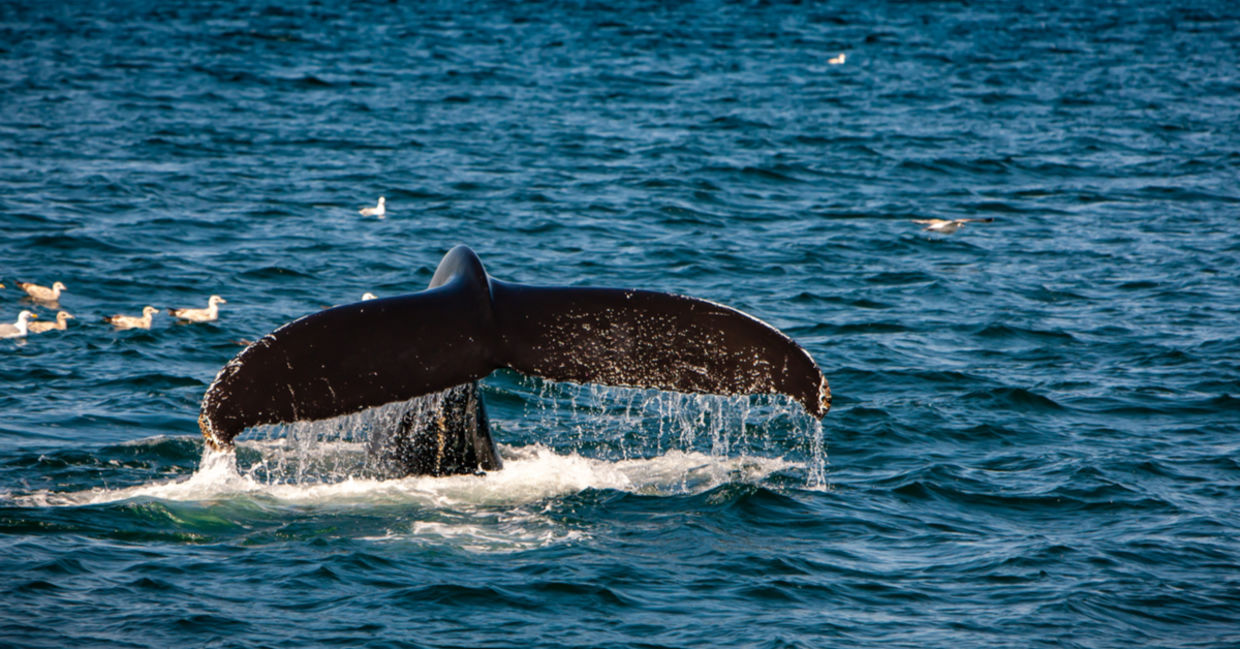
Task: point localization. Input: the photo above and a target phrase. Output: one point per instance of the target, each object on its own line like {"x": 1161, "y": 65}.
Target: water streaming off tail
{"x": 624, "y": 423}
{"x": 602, "y": 423}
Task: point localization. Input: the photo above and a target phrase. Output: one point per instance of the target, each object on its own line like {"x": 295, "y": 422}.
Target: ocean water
{"x": 1035, "y": 440}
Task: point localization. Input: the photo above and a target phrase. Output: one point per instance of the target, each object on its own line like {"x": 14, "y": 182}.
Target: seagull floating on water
{"x": 200, "y": 315}
{"x": 948, "y": 226}
{"x": 378, "y": 210}
{"x": 17, "y": 329}
{"x": 62, "y": 320}
{"x": 836, "y": 60}
{"x": 42, "y": 293}
{"x": 133, "y": 321}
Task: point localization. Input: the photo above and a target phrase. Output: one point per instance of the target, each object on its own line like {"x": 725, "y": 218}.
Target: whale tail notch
{"x": 466, "y": 325}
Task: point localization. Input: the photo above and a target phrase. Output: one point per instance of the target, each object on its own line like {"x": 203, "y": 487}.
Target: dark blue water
{"x": 1036, "y": 433}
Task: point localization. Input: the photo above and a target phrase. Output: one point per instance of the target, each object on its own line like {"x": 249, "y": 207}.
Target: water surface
{"x": 1034, "y": 437}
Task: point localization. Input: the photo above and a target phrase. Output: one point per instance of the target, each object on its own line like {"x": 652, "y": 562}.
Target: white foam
{"x": 501, "y": 511}
{"x": 530, "y": 474}
{"x": 508, "y": 531}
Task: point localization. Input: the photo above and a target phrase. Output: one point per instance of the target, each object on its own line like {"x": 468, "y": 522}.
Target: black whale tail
{"x": 466, "y": 325}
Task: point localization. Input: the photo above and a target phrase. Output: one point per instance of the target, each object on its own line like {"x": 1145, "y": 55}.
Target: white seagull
{"x": 133, "y": 321}
{"x": 200, "y": 315}
{"x": 947, "y": 226}
{"x": 836, "y": 60}
{"x": 62, "y": 320}
{"x": 378, "y": 210}
{"x": 17, "y": 329}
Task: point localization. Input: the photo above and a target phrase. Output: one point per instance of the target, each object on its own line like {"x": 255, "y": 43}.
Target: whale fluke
{"x": 466, "y": 324}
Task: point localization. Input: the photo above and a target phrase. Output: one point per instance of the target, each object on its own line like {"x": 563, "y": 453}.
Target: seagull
{"x": 836, "y": 60}
{"x": 365, "y": 296}
{"x": 133, "y": 321}
{"x": 378, "y": 210}
{"x": 42, "y": 293}
{"x": 62, "y": 320}
{"x": 200, "y": 315}
{"x": 17, "y": 329}
{"x": 947, "y": 226}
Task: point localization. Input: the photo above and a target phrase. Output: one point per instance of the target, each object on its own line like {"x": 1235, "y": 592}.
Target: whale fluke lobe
{"x": 349, "y": 358}
{"x": 646, "y": 339}
{"x": 466, "y": 325}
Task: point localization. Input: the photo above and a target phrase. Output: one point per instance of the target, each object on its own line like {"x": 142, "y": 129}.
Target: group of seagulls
{"x": 24, "y": 325}
{"x": 50, "y": 297}
{"x": 187, "y": 315}
{"x": 43, "y": 295}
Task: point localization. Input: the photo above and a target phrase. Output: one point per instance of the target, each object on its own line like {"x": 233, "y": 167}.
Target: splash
{"x": 320, "y": 467}
{"x": 570, "y": 438}
{"x": 600, "y": 422}
{"x": 216, "y": 477}
{"x": 623, "y": 423}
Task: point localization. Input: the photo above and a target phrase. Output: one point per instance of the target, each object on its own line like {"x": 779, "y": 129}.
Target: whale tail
{"x": 466, "y": 325}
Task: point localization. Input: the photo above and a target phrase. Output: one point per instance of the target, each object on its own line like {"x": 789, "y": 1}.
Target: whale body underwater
{"x": 467, "y": 324}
